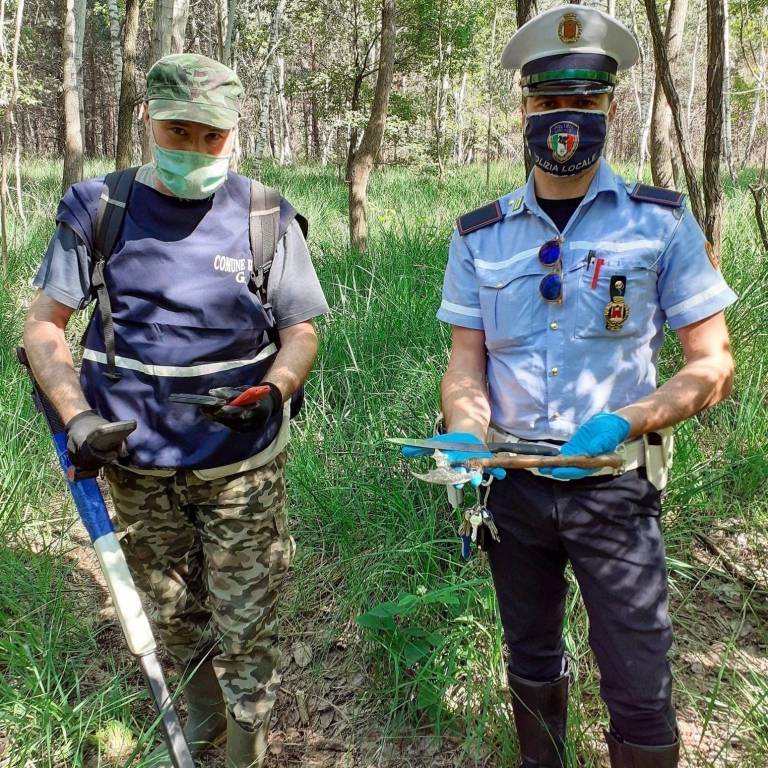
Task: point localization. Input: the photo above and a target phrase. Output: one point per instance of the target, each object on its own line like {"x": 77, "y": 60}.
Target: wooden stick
{"x": 515, "y": 461}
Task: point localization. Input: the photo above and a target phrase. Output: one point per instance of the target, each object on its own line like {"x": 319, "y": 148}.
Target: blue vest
{"x": 185, "y": 321}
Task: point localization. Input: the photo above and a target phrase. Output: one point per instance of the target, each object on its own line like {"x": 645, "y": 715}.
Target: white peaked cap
{"x": 568, "y": 29}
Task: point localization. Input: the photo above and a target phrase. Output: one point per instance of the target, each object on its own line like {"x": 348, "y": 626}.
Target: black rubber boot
{"x": 541, "y": 712}
{"x": 626, "y": 755}
{"x": 246, "y": 749}
{"x": 206, "y": 713}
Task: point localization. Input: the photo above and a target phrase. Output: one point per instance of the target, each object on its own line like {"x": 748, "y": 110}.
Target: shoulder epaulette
{"x": 479, "y": 218}
{"x": 659, "y": 195}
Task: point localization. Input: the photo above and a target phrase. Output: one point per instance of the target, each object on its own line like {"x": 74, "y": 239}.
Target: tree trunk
{"x": 3, "y": 47}
{"x": 7, "y": 130}
{"x": 73, "y": 137}
{"x": 523, "y": 12}
{"x": 266, "y": 87}
{"x": 285, "y": 154}
{"x": 80, "y": 11}
{"x": 713, "y": 125}
{"x": 353, "y": 105}
{"x": 12, "y": 108}
{"x": 228, "y": 57}
{"x": 114, "y": 41}
{"x": 645, "y": 122}
{"x": 374, "y": 131}
{"x": 459, "y": 102}
{"x": 761, "y": 91}
{"x": 662, "y": 67}
{"x": 4, "y": 201}
{"x": 168, "y": 29}
{"x": 489, "y": 125}
{"x": 662, "y": 157}
{"x": 90, "y": 116}
{"x": 726, "y": 94}
{"x": 127, "y": 86}
{"x": 694, "y": 69}
{"x": 440, "y": 89}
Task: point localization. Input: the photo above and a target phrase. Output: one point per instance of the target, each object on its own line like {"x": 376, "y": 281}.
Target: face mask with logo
{"x": 190, "y": 175}
{"x": 565, "y": 142}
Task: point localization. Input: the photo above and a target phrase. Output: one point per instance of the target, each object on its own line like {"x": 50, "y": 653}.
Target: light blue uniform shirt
{"x": 552, "y": 366}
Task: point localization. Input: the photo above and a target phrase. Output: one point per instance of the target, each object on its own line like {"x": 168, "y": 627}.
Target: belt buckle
{"x": 622, "y": 451}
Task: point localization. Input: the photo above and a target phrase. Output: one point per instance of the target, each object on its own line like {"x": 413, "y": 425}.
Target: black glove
{"x": 93, "y": 441}
{"x": 249, "y": 418}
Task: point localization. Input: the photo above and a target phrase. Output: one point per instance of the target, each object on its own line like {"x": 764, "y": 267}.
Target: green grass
{"x": 372, "y": 540}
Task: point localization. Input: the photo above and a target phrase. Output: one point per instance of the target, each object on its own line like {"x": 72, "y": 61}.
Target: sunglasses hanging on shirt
{"x": 551, "y": 285}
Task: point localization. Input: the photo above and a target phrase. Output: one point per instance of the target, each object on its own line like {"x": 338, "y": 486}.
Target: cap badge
{"x": 563, "y": 140}
{"x": 569, "y": 30}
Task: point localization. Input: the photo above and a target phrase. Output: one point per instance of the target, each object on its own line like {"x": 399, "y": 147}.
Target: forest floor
{"x": 393, "y": 656}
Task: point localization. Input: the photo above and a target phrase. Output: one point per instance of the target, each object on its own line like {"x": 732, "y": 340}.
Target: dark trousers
{"x": 608, "y": 528}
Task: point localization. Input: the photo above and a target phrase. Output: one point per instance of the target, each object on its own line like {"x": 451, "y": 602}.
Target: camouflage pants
{"x": 211, "y": 555}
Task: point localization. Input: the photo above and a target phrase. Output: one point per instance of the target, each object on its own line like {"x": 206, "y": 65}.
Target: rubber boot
{"x": 206, "y": 714}
{"x": 246, "y": 749}
{"x": 626, "y": 755}
{"x": 541, "y": 711}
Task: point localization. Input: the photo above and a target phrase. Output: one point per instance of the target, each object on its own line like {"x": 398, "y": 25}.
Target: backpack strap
{"x": 263, "y": 232}
{"x": 109, "y": 222}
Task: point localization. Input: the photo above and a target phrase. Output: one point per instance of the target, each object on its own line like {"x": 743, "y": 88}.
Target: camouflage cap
{"x": 187, "y": 86}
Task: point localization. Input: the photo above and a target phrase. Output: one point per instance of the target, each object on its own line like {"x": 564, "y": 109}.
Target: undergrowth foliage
{"x": 374, "y": 545}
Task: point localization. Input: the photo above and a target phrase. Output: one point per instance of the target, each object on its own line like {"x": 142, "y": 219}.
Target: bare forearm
{"x": 465, "y": 402}
{"x": 294, "y": 360}
{"x": 52, "y": 364}
{"x": 697, "y": 386}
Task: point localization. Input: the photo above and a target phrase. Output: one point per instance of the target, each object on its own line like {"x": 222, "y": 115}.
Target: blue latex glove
{"x": 601, "y": 434}
{"x": 475, "y": 477}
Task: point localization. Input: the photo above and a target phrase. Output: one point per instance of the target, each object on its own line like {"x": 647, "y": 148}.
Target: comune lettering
{"x": 230, "y": 264}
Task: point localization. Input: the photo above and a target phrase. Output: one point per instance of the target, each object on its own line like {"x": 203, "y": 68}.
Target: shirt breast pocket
{"x": 510, "y": 303}
{"x": 620, "y": 303}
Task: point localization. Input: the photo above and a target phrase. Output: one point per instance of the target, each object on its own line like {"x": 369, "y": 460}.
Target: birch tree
{"x": 363, "y": 159}
{"x": 169, "y": 26}
{"x": 266, "y": 88}
{"x": 285, "y": 154}
{"x": 73, "y": 136}
{"x": 8, "y": 130}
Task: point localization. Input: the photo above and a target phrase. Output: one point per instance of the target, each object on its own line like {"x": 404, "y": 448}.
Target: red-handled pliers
{"x": 249, "y": 397}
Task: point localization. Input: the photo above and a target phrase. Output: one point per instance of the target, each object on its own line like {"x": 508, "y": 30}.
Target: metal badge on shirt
{"x": 617, "y": 310}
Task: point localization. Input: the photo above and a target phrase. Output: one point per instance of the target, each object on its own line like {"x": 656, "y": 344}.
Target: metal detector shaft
{"x": 161, "y": 696}
{"x": 133, "y": 620}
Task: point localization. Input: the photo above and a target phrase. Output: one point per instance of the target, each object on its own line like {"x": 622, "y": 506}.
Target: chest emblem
{"x": 617, "y": 310}
{"x": 563, "y": 140}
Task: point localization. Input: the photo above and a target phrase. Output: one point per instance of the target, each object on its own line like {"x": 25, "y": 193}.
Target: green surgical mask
{"x": 190, "y": 175}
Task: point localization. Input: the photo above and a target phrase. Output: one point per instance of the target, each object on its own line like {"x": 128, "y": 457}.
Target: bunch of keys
{"x": 475, "y": 526}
